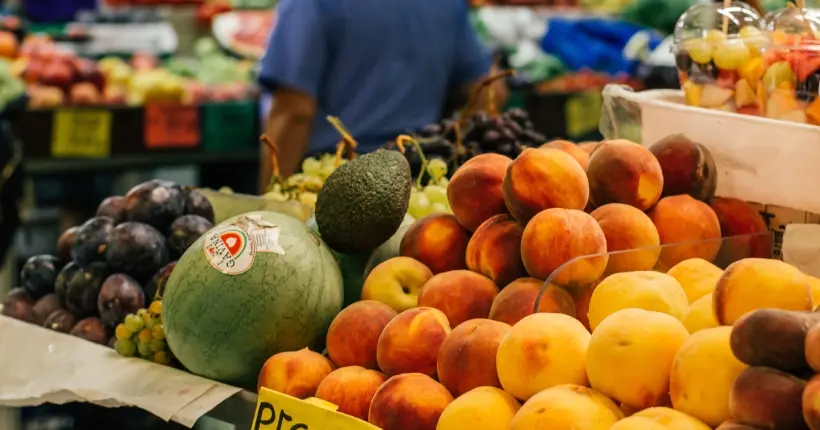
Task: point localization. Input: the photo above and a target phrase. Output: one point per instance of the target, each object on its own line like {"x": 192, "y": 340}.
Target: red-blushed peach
{"x": 460, "y": 294}
{"x": 354, "y": 333}
{"x": 581, "y": 156}
{"x": 688, "y": 167}
{"x": 466, "y": 359}
{"x": 438, "y": 241}
{"x": 582, "y": 296}
{"x": 474, "y": 191}
{"x": 557, "y": 236}
{"x": 410, "y": 342}
{"x": 684, "y": 219}
{"x": 396, "y": 282}
{"x": 628, "y": 229}
{"x": 588, "y": 146}
{"x": 495, "y": 250}
{"x": 295, "y": 373}
{"x": 351, "y": 389}
{"x": 620, "y": 171}
{"x": 411, "y": 401}
{"x": 737, "y": 217}
{"x": 541, "y": 179}
{"x": 517, "y": 300}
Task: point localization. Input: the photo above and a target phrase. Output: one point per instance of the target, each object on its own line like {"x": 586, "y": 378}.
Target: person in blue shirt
{"x": 381, "y": 66}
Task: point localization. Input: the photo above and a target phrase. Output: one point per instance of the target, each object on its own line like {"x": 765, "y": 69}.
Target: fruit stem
{"x": 404, "y": 138}
{"x": 274, "y": 160}
{"x": 348, "y": 142}
{"x": 491, "y": 108}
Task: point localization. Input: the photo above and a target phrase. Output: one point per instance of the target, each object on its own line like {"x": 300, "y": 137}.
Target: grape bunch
{"x": 304, "y": 187}
{"x": 431, "y": 198}
{"x": 141, "y": 334}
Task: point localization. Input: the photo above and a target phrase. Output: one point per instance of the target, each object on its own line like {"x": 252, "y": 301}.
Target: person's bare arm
{"x": 288, "y": 126}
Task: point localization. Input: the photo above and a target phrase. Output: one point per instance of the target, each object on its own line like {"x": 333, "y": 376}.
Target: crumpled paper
{"x": 41, "y": 366}
{"x": 800, "y": 247}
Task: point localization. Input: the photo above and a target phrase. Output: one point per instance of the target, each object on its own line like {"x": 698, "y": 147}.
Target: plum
{"x": 92, "y": 240}
{"x": 84, "y": 289}
{"x": 64, "y": 278}
{"x": 197, "y": 204}
{"x": 114, "y": 208}
{"x": 44, "y": 307}
{"x": 155, "y": 288}
{"x": 18, "y": 305}
{"x": 185, "y": 231}
{"x": 60, "y": 320}
{"x": 136, "y": 249}
{"x": 66, "y": 242}
{"x": 92, "y": 330}
{"x": 38, "y": 275}
{"x": 156, "y": 202}
{"x": 120, "y": 295}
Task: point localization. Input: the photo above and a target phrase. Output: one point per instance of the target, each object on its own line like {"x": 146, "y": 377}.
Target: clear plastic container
{"x": 790, "y": 82}
{"x": 718, "y": 53}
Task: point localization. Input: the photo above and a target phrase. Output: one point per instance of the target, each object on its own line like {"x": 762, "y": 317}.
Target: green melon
{"x": 225, "y": 312}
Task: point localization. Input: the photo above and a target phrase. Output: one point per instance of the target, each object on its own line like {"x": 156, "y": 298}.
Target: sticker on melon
{"x": 229, "y": 249}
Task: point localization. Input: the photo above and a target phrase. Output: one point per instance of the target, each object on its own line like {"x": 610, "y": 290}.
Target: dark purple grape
{"x": 84, "y": 289}
{"x": 505, "y": 148}
{"x": 92, "y": 330}
{"x": 532, "y": 138}
{"x": 120, "y": 295}
{"x": 64, "y": 279}
{"x": 507, "y": 134}
{"x": 515, "y": 128}
{"x": 38, "y": 275}
{"x": 440, "y": 147}
{"x": 809, "y": 89}
{"x": 517, "y": 115}
{"x": 92, "y": 239}
{"x": 518, "y": 148}
{"x": 66, "y": 242}
{"x": 683, "y": 61}
{"x": 197, "y": 204}
{"x": 60, "y": 320}
{"x": 703, "y": 73}
{"x": 44, "y": 307}
{"x": 157, "y": 203}
{"x": 155, "y": 288}
{"x": 18, "y": 305}
{"x": 137, "y": 250}
{"x": 528, "y": 125}
{"x": 114, "y": 208}
{"x": 432, "y": 130}
{"x": 491, "y": 136}
{"x": 184, "y": 232}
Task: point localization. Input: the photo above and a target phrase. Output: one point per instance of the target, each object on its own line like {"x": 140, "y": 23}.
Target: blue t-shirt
{"x": 382, "y": 66}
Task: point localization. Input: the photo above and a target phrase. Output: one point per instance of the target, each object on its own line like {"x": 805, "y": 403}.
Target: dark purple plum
{"x": 136, "y": 249}
{"x": 60, "y": 320}
{"x": 197, "y": 204}
{"x": 92, "y": 240}
{"x": 155, "y": 202}
{"x": 18, "y": 305}
{"x": 155, "y": 288}
{"x": 114, "y": 208}
{"x": 84, "y": 289}
{"x": 120, "y": 295}
{"x": 64, "y": 278}
{"x": 185, "y": 231}
{"x": 66, "y": 242}
{"x": 92, "y": 330}
{"x": 44, "y": 307}
{"x": 38, "y": 275}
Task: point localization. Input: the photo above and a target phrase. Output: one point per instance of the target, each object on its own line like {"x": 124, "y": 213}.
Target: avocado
{"x": 363, "y": 201}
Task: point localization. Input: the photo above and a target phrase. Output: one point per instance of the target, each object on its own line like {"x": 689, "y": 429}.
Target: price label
{"x": 171, "y": 126}
{"x": 81, "y": 133}
{"x": 583, "y": 112}
{"x": 277, "y": 411}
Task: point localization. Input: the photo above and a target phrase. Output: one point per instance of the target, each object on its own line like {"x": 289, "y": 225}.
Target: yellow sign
{"x": 277, "y": 411}
{"x": 81, "y": 133}
{"x": 583, "y": 112}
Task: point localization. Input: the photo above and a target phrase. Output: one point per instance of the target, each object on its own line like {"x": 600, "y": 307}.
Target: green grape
{"x": 144, "y": 349}
{"x": 436, "y": 194}
{"x": 731, "y": 55}
{"x": 158, "y": 332}
{"x": 276, "y": 196}
{"x": 443, "y": 182}
{"x": 125, "y": 347}
{"x": 778, "y": 73}
{"x": 437, "y": 208}
{"x": 162, "y": 357}
{"x": 134, "y": 323}
{"x": 143, "y": 313}
{"x": 437, "y": 168}
{"x": 150, "y": 323}
{"x": 156, "y": 307}
{"x": 157, "y": 345}
{"x": 311, "y": 166}
{"x": 699, "y": 50}
{"x": 145, "y": 336}
{"x": 122, "y": 332}
{"x": 419, "y": 204}
{"x": 327, "y": 169}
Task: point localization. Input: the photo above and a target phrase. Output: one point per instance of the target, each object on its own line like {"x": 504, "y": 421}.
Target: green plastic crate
{"x": 230, "y": 126}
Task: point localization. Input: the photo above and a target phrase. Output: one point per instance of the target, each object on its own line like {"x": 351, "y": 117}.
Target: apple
{"x": 57, "y": 73}
{"x": 396, "y": 282}
{"x": 84, "y": 93}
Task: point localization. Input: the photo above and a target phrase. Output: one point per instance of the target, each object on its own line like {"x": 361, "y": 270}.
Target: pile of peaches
{"x": 511, "y": 313}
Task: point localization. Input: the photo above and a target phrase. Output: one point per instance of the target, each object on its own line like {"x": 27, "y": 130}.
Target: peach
{"x": 567, "y": 407}
{"x": 697, "y": 276}
{"x": 688, "y": 167}
{"x": 588, "y": 146}
{"x": 638, "y": 423}
{"x": 518, "y": 301}
{"x": 410, "y": 342}
{"x": 409, "y": 402}
{"x": 620, "y": 171}
{"x": 466, "y": 359}
{"x": 580, "y": 155}
{"x": 737, "y": 217}
{"x": 672, "y": 419}
{"x": 700, "y": 315}
{"x": 460, "y": 294}
{"x": 354, "y": 333}
{"x": 582, "y": 296}
{"x": 684, "y": 219}
{"x": 756, "y": 283}
{"x": 542, "y": 351}
{"x": 396, "y": 282}
{"x": 651, "y": 291}
{"x": 484, "y": 408}
{"x": 351, "y": 389}
{"x": 495, "y": 250}
{"x": 557, "y": 236}
{"x": 628, "y": 229}
{"x": 438, "y": 241}
{"x": 541, "y": 179}
{"x": 474, "y": 191}
{"x": 295, "y": 373}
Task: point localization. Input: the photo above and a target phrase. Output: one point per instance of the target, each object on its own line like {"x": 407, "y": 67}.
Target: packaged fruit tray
{"x": 759, "y": 160}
